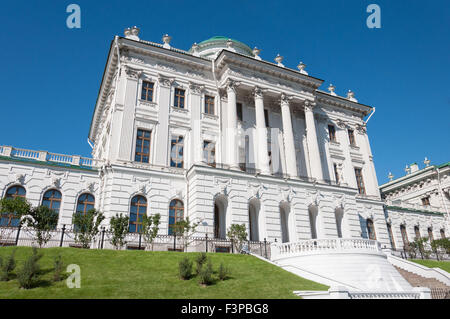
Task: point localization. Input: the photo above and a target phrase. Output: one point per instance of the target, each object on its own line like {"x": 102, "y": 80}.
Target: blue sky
{"x": 51, "y": 74}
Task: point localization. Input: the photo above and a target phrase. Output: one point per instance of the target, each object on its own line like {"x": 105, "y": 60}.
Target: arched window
{"x": 138, "y": 208}
{"x": 176, "y": 213}
{"x": 52, "y": 199}
{"x": 404, "y": 235}
{"x": 11, "y": 219}
{"x": 442, "y": 233}
{"x": 430, "y": 234}
{"x": 371, "y": 229}
{"x": 253, "y": 217}
{"x": 417, "y": 232}
{"x": 85, "y": 203}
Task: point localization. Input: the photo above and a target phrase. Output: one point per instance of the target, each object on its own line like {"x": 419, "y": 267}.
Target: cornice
{"x": 341, "y": 102}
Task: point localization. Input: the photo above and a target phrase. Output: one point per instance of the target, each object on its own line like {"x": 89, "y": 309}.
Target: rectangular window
{"x": 266, "y": 117}
{"x": 360, "y": 181}
{"x": 179, "y": 98}
{"x": 209, "y": 153}
{"x": 142, "y": 152}
{"x": 176, "y": 151}
{"x": 147, "y": 91}
{"x": 336, "y": 173}
{"x": 239, "y": 111}
{"x": 351, "y": 137}
{"x": 426, "y": 201}
{"x": 332, "y": 133}
{"x": 209, "y": 104}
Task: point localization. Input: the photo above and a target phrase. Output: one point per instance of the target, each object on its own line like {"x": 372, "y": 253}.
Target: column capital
{"x": 165, "y": 81}
{"x": 285, "y": 99}
{"x": 257, "y": 92}
{"x": 361, "y": 128}
{"x": 132, "y": 73}
{"x": 196, "y": 88}
{"x": 309, "y": 105}
{"x": 232, "y": 85}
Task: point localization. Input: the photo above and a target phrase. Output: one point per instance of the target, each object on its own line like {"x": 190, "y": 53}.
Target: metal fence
{"x": 66, "y": 237}
{"x": 441, "y": 254}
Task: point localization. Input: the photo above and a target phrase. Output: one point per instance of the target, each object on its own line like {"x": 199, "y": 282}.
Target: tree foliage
{"x": 86, "y": 226}
{"x": 28, "y": 275}
{"x": 238, "y": 235}
{"x": 119, "y": 230}
{"x": 43, "y": 220}
{"x": 185, "y": 228}
{"x": 150, "y": 228}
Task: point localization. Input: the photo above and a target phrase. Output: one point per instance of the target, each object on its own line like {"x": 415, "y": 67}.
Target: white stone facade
{"x": 298, "y": 182}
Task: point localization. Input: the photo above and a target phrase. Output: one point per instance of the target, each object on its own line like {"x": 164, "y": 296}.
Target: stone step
{"x": 419, "y": 281}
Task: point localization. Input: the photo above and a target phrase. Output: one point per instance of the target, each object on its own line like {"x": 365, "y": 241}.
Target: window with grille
{"x": 209, "y": 153}
{"x": 332, "y": 133}
{"x": 209, "y": 104}
{"x": 11, "y": 219}
{"x": 142, "y": 152}
{"x": 360, "y": 181}
{"x": 351, "y": 137}
{"x": 147, "y": 91}
{"x": 138, "y": 209}
{"x": 179, "y": 98}
{"x": 176, "y": 154}
{"x": 176, "y": 214}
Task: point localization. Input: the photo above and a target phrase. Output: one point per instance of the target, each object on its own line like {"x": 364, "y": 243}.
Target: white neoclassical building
{"x": 221, "y": 136}
{"x": 418, "y": 203}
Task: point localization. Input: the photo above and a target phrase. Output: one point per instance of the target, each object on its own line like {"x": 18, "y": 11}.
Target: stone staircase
{"x": 439, "y": 290}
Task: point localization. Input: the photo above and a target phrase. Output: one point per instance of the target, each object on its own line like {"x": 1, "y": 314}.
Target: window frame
{"x": 176, "y": 217}
{"x": 360, "y": 181}
{"x": 332, "y": 133}
{"x": 176, "y": 144}
{"x": 10, "y": 217}
{"x": 208, "y": 106}
{"x": 142, "y": 139}
{"x": 139, "y": 214}
{"x": 52, "y": 200}
{"x": 179, "y": 97}
{"x": 85, "y": 203}
{"x": 152, "y": 90}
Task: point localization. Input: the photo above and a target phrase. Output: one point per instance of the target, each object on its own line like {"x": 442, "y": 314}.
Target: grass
{"x": 144, "y": 274}
{"x": 444, "y": 265}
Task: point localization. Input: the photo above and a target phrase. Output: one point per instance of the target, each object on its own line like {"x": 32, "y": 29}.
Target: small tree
{"x": 238, "y": 235}
{"x": 224, "y": 272}
{"x": 185, "y": 268}
{"x": 200, "y": 261}
{"x": 43, "y": 220}
{"x": 58, "y": 268}
{"x": 86, "y": 226}
{"x": 18, "y": 207}
{"x": 28, "y": 275}
{"x": 150, "y": 228}
{"x": 206, "y": 274}
{"x": 7, "y": 266}
{"x": 119, "y": 229}
{"x": 185, "y": 229}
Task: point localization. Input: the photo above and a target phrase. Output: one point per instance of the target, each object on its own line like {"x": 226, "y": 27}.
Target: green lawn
{"x": 445, "y": 265}
{"x": 143, "y": 274}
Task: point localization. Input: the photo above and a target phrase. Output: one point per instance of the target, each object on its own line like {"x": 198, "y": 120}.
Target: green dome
{"x": 212, "y": 46}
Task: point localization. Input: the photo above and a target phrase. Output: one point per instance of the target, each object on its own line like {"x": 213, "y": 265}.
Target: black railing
{"x": 66, "y": 237}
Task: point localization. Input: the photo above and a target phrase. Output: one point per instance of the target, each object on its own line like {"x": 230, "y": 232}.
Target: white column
{"x": 313, "y": 145}
{"x": 288, "y": 135}
{"x": 196, "y": 142}
{"x": 232, "y": 146}
{"x": 261, "y": 131}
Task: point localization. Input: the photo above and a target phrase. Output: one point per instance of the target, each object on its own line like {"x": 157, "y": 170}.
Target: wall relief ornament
{"x": 165, "y": 81}
{"x": 287, "y": 194}
{"x": 255, "y": 190}
{"x": 361, "y": 128}
{"x": 196, "y": 88}
{"x": 309, "y": 105}
{"x": 132, "y": 73}
{"x": 222, "y": 185}
{"x": 314, "y": 198}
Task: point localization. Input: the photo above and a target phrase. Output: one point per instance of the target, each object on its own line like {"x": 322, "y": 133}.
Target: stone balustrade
{"x": 44, "y": 156}
{"x": 305, "y": 247}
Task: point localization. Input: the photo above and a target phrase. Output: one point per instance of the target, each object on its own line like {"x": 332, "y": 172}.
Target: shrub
{"x": 28, "y": 275}
{"x": 7, "y": 266}
{"x": 86, "y": 226}
{"x": 238, "y": 235}
{"x": 150, "y": 228}
{"x": 206, "y": 274}
{"x": 58, "y": 268}
{"x": 200, "y": 261}
{"x": 185, "y": 268}
{"x": 224, "y": 272}
{"x": 119, "y": 228}
{"x": 43, "y": 220}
